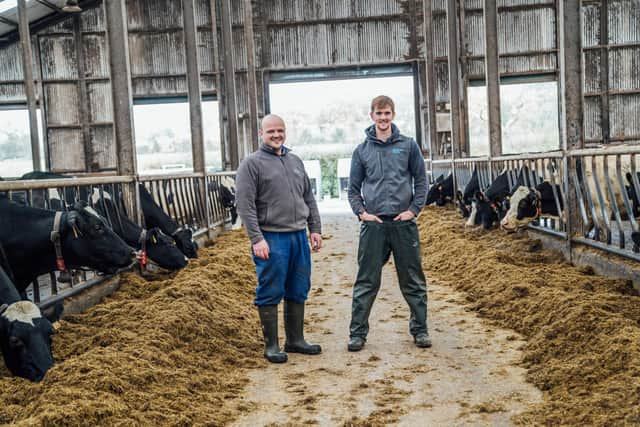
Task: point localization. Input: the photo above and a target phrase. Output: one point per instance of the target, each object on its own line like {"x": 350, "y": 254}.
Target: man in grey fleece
{"x": 387, "y": 190}
{"x": 276, "y": 205}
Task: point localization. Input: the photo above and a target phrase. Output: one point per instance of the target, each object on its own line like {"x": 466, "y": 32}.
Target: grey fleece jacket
{"x": 387, "y": 177}
{"x": 273, "y": 193}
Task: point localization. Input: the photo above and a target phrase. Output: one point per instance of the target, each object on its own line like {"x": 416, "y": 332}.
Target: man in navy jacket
{"x": 387, "y": 190}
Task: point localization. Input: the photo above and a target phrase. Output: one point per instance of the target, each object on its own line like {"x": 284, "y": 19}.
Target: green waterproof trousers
{"x": 377, "y": 242}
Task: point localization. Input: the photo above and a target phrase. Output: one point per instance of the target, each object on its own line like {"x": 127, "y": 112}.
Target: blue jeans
{"x": 287, "y": 272}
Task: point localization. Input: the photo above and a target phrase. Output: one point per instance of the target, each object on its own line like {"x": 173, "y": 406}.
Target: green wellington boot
{"x": 269, "y": 320}
{"x": 293, "y": 325}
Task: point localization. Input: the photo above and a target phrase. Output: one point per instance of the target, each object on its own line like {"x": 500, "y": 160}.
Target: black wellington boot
{"x": 294, "y": 325}
{"x": 269, "y": 320}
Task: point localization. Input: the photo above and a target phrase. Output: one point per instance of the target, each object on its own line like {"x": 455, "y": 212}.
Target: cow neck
{"x": 143, "y": 248}
{"x": 55, "y": 239}
{"x": 4, "y": 262}
{"x": 8, "y": 292}
{"x": 538, "y": 204}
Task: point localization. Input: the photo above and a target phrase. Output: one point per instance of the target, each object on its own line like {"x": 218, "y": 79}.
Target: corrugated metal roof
{"x": 35, "y": 12}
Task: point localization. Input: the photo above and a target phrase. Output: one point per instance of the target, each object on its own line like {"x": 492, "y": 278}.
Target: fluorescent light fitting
{"x": 71, "y": 6}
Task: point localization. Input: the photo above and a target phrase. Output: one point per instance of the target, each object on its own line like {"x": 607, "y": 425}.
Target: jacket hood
{"x": 371, "y": 134}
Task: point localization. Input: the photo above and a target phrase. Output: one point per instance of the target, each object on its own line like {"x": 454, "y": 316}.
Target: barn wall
{"x": 307, "y": 35}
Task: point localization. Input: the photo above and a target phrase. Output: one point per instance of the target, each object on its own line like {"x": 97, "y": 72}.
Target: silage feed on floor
{"x": 162, "y": 352}
{"x": 582, "y": 330}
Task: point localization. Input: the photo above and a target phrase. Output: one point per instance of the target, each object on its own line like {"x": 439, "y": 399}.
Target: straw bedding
{"x": 162, "y": 352}
{"x": 582, "y": 331}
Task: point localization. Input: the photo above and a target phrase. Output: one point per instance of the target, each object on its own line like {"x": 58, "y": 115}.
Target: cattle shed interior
{"x": 80, "y": 70}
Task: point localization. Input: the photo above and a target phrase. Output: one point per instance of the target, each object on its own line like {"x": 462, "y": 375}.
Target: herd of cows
{"x": 516, "y": 205}
{"x": 81, "y": 228}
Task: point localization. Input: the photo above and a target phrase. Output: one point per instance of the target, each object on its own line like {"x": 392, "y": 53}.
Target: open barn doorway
{"x": 326, "y": 115}
{"x": 163, "y": 135}
{"x": 529, "y": 114}
{"x": 16, "y": 157}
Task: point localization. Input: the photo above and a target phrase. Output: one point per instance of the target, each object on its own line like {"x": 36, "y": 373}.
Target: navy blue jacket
{"x": 387, "y": 177}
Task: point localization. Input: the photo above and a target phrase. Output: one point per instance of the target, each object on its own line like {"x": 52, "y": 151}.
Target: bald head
{"x": 271, "y": 119}
{"x": 272, "y": 132}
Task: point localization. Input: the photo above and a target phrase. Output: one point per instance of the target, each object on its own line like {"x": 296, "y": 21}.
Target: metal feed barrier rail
{"x": 180, "y": 196}
{"x": 603, "y": 183}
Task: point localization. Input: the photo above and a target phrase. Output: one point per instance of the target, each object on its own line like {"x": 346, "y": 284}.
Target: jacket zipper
{"x": 286, "y": 172}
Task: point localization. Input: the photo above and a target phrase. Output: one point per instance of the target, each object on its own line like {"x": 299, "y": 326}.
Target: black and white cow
{"x": 528, "y": 204}
{"x": 158, "y": 247}
{"x": 489, "y": 208}
{"x": 441, "y": 191}
{"x": 154, "y": 216}
{"x": 631, "y": 193}
{"x": 465, "y": 199}
{"x": 85, "y": 241}
{"x": 225, "y": 191}
{"x": 25, "y": 335}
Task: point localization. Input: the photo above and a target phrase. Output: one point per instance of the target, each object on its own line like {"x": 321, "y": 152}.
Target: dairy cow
{"x": 25, "y": 335}
{"x": 490, "y": 207}
{"x": 154, "y": 216}
{"x": 225, "y": 191}
{"x": 153, "y": 244}
{"x": 38, "y": 241}
{"x": 527, "y": 205}
{"x": 465, "y": 198}
{"x": 441, "y": 191}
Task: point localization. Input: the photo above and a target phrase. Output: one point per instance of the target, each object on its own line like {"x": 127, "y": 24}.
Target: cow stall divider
{"x": 604, "y": 181}
{"x": 191, "y": 200}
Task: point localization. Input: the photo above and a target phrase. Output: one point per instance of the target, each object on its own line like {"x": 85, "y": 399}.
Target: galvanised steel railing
{"x": 180, "y": 196}
{"x": 605, "y": 181}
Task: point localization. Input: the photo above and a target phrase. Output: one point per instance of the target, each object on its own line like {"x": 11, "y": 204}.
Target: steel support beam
{"x": 10, "y": 22}
{"x": 230, "y": 88}
{"x": 454, "y": 77}
{"x": 430, "y": 75}
{"x": 120, "y": 68}
{"x": 252, "y": 85}
{"x": 492, "y": 76}
{"x": 193, "y": 84}
{"x": 29, "y": 87}
{"x": 572, "y": 132}
{"x": 219, "y": 89}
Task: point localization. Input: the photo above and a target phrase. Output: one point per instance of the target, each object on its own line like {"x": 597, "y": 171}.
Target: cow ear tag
{"x": 75, "y": 230}
{"x": 439, "y": 187}
{"x": 154, "y": 240}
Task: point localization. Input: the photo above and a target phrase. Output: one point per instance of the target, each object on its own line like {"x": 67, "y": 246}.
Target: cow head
{"x": 184, "y": 242}
{"x": 631, "y": 193}
{"x": 162, "y": 250}
{"x": 525, "y": 207}
{"x": 465, "y": 208}
{"x": 88, "y": 241}
{"x": 226, "y": 192}
{"x": 441, "y": 191}
{"x": 487, "y": 212}
{"x": 25, "y": 339}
